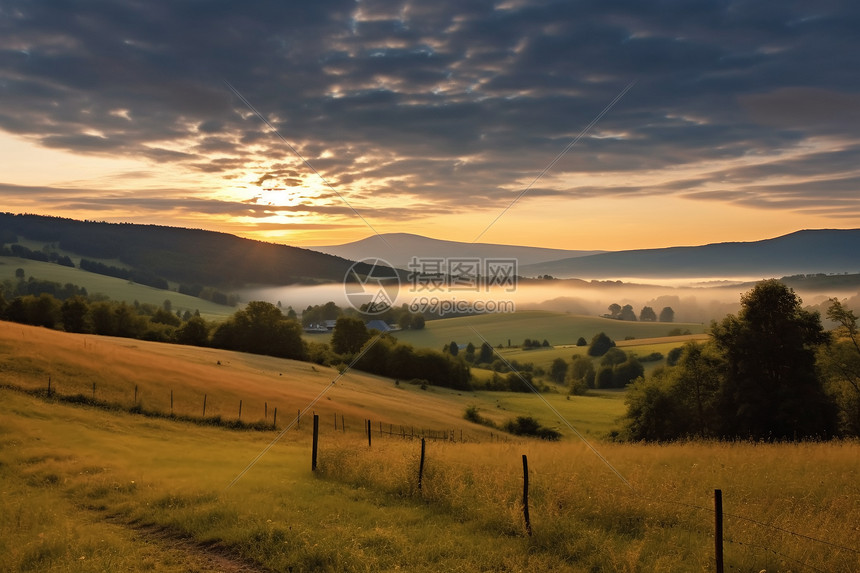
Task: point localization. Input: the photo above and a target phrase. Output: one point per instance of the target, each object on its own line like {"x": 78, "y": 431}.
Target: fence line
{"x": 716, "y": 533}
{"x": 434, "y": 435}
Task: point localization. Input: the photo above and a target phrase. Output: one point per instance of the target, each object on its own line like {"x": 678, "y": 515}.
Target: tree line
{"x": 23, "y": 252}
{"x": 771, "y": 372}
{"x": 259, "y": 328}
{"x": 647, "y": 314}
{"x": 139, "y": 276}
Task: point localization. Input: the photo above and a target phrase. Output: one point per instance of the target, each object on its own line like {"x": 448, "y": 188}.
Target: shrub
{"x": 473, "y": 415}
{"x": 528, "y": 426}
{"x": 600, "y": 344}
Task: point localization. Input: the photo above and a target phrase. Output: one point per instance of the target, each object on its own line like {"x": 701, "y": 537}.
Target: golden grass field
{"x": 86, "y": 488}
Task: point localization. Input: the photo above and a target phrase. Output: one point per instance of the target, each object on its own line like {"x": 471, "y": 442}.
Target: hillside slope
{"x": 399, "y": 248}
{"x": 189, "y": 256}
{"x": 810, "y": 251}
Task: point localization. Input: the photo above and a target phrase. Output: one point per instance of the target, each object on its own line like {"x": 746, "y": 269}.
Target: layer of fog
{"x": 694, "y": 304}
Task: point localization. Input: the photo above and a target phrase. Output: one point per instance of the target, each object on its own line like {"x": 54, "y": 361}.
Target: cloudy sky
{"x": 690, "y": 122}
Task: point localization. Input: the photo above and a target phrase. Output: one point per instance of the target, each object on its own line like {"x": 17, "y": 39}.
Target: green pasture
{"x": 595, "y": 415}
{"x": 543, "y": 357}
{"x": 555, "y": 327}
{"x": 114, "y": 288}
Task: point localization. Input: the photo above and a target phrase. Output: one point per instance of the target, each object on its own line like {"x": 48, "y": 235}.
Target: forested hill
{"x": 189, "y": 256}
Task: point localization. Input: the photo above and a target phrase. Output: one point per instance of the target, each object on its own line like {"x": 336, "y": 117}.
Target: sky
{"x": 572, "y": 124}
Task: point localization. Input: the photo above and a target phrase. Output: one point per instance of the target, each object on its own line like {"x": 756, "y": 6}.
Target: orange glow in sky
{"x": 561, "y": 125}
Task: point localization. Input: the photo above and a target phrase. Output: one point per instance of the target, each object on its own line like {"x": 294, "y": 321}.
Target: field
{"x": 557, "y": 328}
{"x": 640, "y": 347}
{"x": 561, "y": 330}
{"x": 114, "y": 288}
{"x": 86, "y": 488}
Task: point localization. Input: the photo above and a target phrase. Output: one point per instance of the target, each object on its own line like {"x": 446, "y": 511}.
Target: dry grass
{"x": 29, "y": 356}
{"x": 776, "y": 497}
{"x": 74, "y": 478}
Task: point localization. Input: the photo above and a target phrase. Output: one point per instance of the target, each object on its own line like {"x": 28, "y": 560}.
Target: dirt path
{"x": 168, "y": 550}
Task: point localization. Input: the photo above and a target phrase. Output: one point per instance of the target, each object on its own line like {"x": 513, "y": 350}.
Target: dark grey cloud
{"x": 450, "y": 102}
{"x": 178, "y": 202}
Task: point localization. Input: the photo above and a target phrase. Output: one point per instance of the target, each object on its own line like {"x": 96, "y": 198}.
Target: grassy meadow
{"x": 560, "y": 329}
{"x": 114, "y": 288}
{"x": 86, "y": 488}
{"x": 556, "y": 327}
{"x": 641, "y": 347}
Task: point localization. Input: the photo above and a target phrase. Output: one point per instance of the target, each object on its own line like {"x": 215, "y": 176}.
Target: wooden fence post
{"x": 421, "y": 467}
{"x": 94, "y": 390}
{"x": 204, "y": 405}
{"x": 298, "y": 417}
{"x": 275, "y": 418}
{"x": 369, "y": 433}
{"x": 335, "y": 421}
{"x": 49, "y": 386}
{"x": 718, "y": 529}
{"x": 135, "y": 393}
{"x": 240, "y": 410}
{"x": 342, "y": 424}
{"x": 315, "y": 443}
{"x": 526, "y": 495}
{"x": 171, "y": 402}
{"x": 265, "y": 410}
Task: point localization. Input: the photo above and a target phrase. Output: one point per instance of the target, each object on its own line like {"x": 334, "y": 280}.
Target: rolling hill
{"x": 399, "y": 248}
{"x": 809, "y": 251}
{"x": 90, "y": 488}
{"x": 190, "y": 256}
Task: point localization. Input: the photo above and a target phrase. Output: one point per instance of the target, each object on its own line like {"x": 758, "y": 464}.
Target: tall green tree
{"x": 486, "y": 354}
{"x": 558, "y": 370}
{"x": 647, "y": 314}
{"x": 261, "y": 328}
{"x": 667, "y": 314}
{"x": 349, "y": 335}
{"x": 697, "y": 382}
{"x": 627, "y": 313}
{"x": 653, "y": 411}
{"x": 470, "y": 353}
{"x": 771, "y": 388}
{"x": 626, "y": 372}
{"x": 194, "y": 332}
{"x": 74, "y": 314}
{"x": 840, "y": 365}
{"x": 582, "y": 371}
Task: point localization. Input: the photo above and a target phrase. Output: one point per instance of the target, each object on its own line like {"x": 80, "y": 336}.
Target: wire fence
{"x": 750, "y": 543}
{"x": 747, "y": 543}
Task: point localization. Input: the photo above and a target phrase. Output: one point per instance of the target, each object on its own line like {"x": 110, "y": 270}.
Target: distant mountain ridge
{"x": 807, "y": 251}
{"x": 209, "y": 258}
{"x": 399, "y": 248}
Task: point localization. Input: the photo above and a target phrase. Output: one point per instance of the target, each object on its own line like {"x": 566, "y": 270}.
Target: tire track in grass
{"x": 183, "y": 551}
